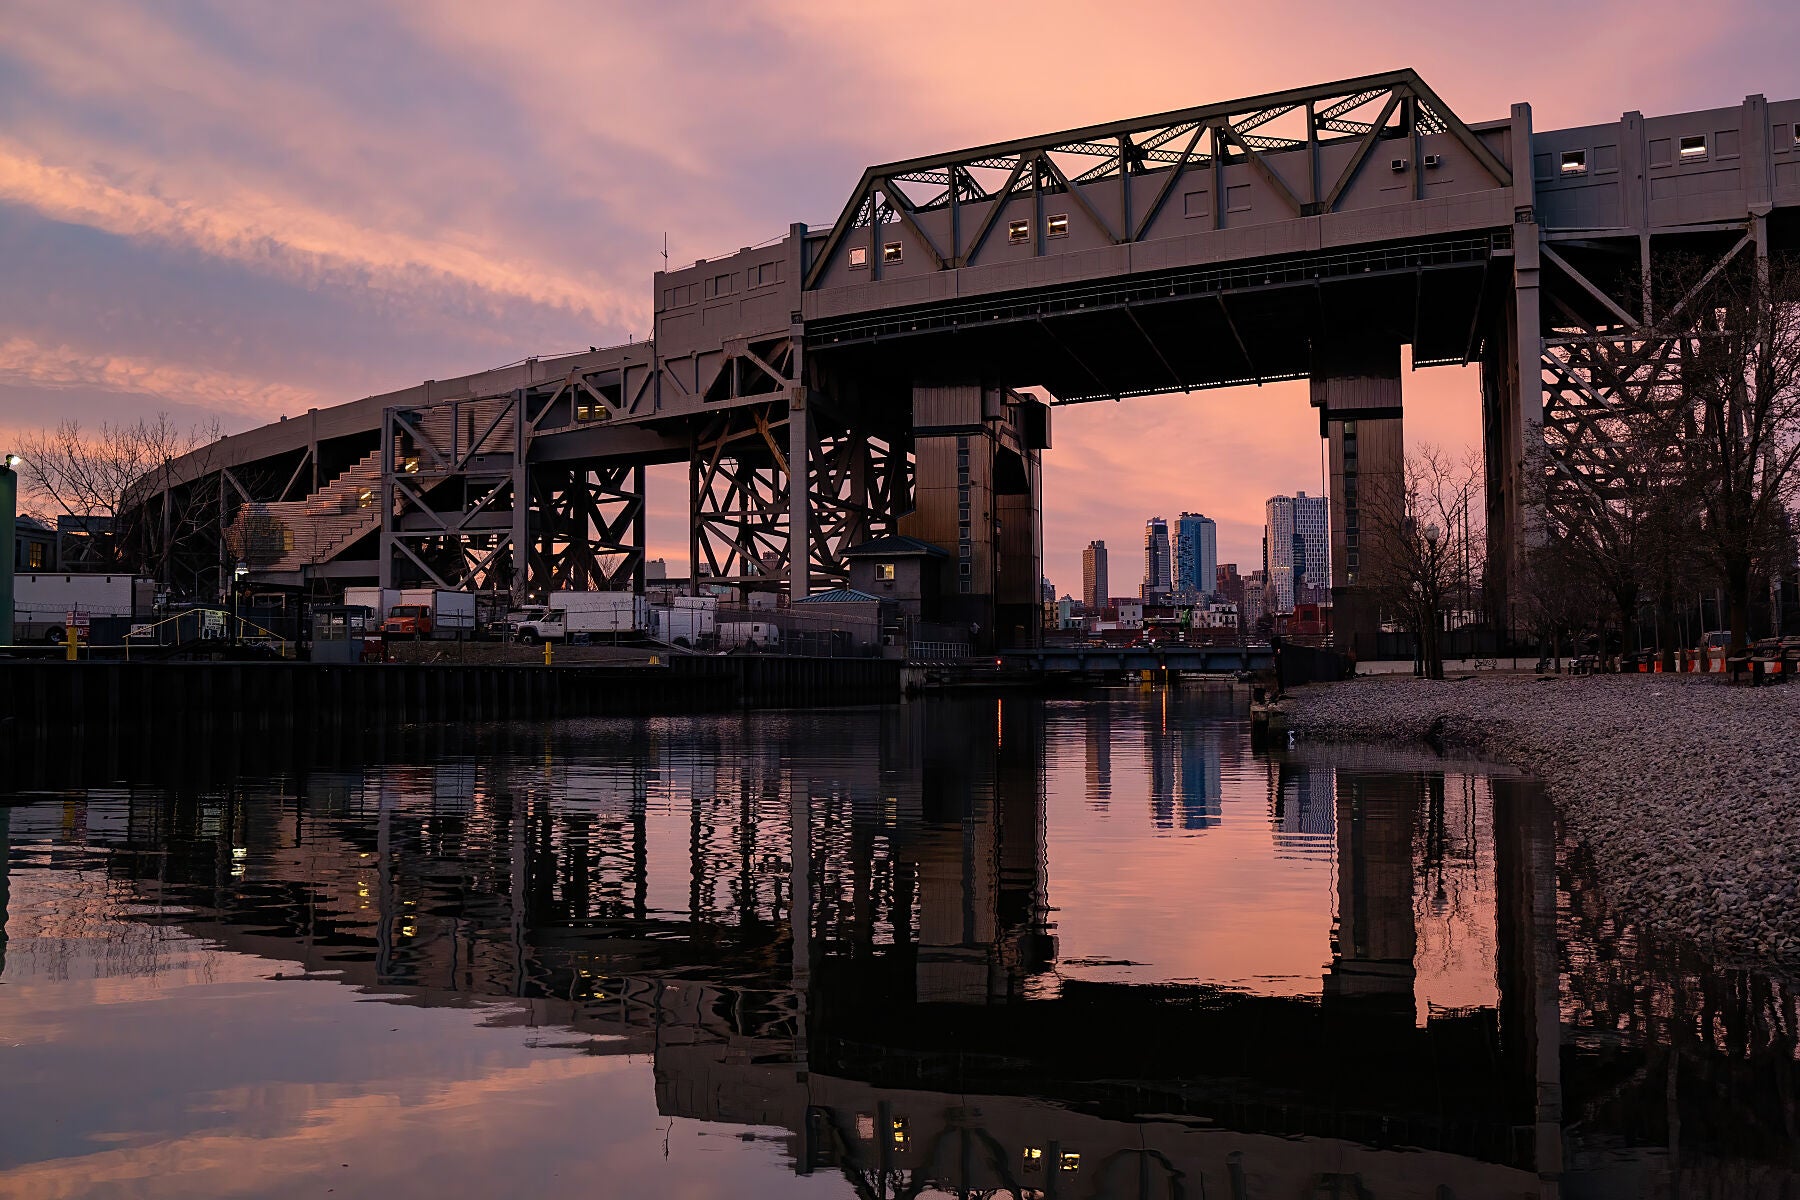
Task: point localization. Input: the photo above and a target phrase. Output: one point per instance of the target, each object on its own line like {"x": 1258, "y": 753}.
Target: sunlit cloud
{"x": 308, "y": 246}
{"x": 50, "y": 369}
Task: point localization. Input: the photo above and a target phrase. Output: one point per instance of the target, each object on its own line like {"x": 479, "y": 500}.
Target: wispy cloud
{"x": 50, "y": 369}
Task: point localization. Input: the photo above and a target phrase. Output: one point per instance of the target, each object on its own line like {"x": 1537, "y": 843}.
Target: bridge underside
{"x": 1247, "y": 323}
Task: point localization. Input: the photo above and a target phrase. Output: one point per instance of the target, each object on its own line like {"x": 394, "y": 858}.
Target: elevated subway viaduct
{"x": 1301, "y": 234}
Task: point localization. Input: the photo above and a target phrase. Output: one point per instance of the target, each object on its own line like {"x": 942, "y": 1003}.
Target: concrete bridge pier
{"x": 1356, "y": 388}
{"x": 978, "y": 494}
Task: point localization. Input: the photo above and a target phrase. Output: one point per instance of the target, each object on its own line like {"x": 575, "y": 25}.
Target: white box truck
{"x": 376, "y": 600}
{"x": 750, "y": 635}
{"x": 569, "y": 613}
{"x": 43, "y": 601}
{"x": 688, "y": 620}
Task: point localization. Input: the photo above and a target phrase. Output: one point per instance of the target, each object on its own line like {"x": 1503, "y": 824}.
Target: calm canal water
{"x": 1083, "y": 948}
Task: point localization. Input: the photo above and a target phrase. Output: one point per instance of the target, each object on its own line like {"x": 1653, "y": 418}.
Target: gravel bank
{"x": 1686, "y": 790}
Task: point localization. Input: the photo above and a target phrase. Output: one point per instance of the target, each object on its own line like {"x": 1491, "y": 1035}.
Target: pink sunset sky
{"x": 240, "y": 210}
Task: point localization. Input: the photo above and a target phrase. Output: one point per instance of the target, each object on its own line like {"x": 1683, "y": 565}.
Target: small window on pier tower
{"x": 1018, "y": 231}
{"x": 1058, "y": 225}
{"x": 859, "y": 256}
{"x": 892, "y": 252}
{"x": 1693, "y": 147}
{"x": 1574, "y": 162}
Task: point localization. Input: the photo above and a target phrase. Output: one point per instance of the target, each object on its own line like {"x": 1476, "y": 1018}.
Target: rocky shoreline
{"x": 1686, "y": 790}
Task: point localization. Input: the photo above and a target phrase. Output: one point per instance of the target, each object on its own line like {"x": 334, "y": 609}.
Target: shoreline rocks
{"x": 1686, "y": 790}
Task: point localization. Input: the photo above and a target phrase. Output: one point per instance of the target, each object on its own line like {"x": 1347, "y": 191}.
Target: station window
{"x": 962, "y": 585}
{"x": 1057, "y": 225}
{"x": 1071, "y": 1161}
{"x": 884, "y": 571}
{"x": 901, "y": 1137}
{"x": 410, "y": 464}
{"x": 892, "y": 252}
{"x": 1692, "y": 147}
{"x": 965, "y": 550}
{"x": 859, "y": 256}
{"x": 1574, "y": 162}
{"x": 1018, "y": 231}
{"x": 365, "y": 498}
{"x": 36, "y": 558}
{"x": 1034, "y": 1158}
{"x": 962, "y": 569}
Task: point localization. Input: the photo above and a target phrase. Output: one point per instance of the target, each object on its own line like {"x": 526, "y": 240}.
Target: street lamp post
{"x": 1434, "y": 663}
{"x": 9, "y": 545}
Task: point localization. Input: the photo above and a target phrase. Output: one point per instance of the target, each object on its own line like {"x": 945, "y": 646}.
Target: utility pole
{"x": 9, "y": 546}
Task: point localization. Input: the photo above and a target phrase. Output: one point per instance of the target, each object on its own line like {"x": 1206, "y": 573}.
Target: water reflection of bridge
{"x": 854, "y": 940}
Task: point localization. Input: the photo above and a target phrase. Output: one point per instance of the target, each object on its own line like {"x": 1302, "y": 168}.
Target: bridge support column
{"x": 1356, "y": 388}
{"x": 587, "y": 521}
{"x": 1513, "y": 396}
{"x": 748, "y": 519}
{"x": 1372, "y": 960}
{"x": 977, "y": 479}
{"x": 800, "y": 530}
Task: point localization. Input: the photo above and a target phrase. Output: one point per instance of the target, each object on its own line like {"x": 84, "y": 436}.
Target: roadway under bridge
{"x": 894, "y": 374}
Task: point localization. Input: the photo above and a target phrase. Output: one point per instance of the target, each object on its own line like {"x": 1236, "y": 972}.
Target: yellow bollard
{"x": 547, "y": 654}
{"x": 70, "y": 642}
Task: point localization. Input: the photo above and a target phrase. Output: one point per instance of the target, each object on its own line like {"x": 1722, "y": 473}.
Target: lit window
{"x": 1058, "y": 225}
{"x": 365, "y": 498}
{"x": 1018, "y": 231}
{"x": 584, "y": 412}
{"x": 1692, "y": 147}
{"x": 411, "y": 465}
{"x": 35, "y": 556}
{"x": 1071, "y": 1161}
{"x": 901, "y": 1138}
{"x": 1034, "y": 1159}
{"x": 1574, "y": 162}
{"x": 891, "y": 252}
{"x": 884, "y": 571}
{"x": 859, "y": 256}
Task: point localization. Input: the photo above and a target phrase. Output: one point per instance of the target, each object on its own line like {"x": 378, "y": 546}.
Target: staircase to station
{"x": 275, "y": 538}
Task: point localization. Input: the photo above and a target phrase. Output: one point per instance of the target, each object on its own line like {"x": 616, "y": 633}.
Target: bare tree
{"x": 1419, "y": 554}
{"x": 1560, "y": 596}
{"x": 1738, "y": 387}
{"x": 105, "y": 480}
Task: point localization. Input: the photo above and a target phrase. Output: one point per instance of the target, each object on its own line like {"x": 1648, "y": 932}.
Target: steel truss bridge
{"x": 867, "y": 379}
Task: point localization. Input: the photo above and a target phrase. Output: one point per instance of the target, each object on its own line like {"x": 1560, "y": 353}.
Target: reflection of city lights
{"x": 1034, "y": 1158}
{"x": 240, "y": 852}
{"x": 1071, "y": 1162}
{"x": 865, "y": 1127}
{"x": 362, "y": 890}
